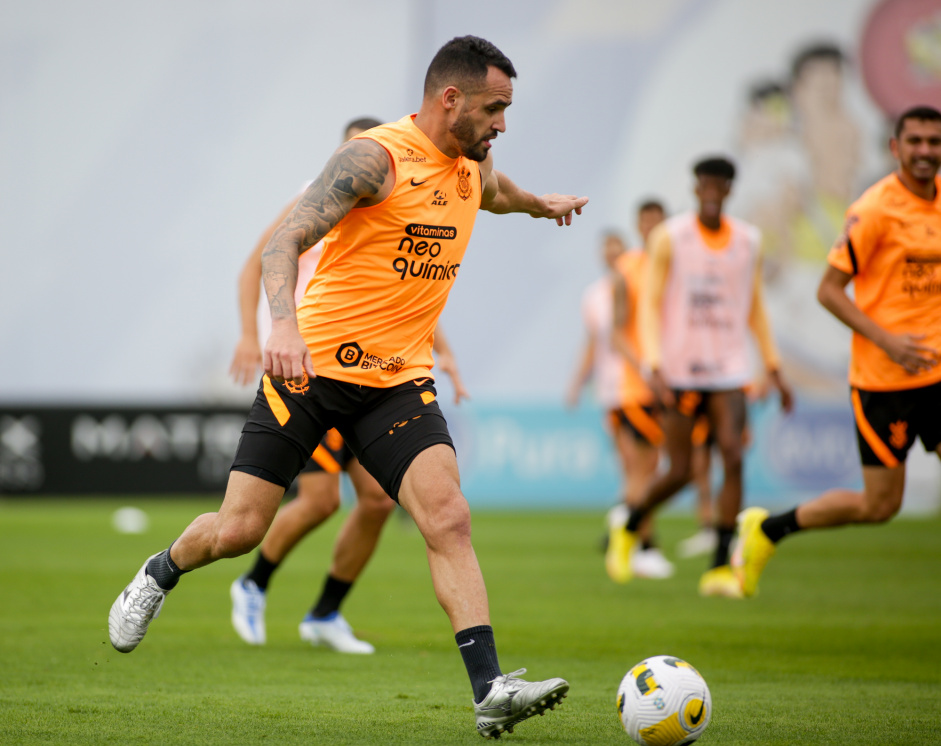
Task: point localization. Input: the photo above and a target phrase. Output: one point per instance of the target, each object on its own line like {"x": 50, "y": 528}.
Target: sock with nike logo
{"x": 164, "y": 570}
{"x": 480, "y": 658}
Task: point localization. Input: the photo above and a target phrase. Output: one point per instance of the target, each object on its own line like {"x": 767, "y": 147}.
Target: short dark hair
{"x": 764, "y": 90}
{"x": 922, "y": 113}
{"x": 819, "y": 51}
{"x": 363, "y": 123}
{"x": 651, "y": 204}
{"x": 715, "y": 166}
{"x": 464, "y": 61}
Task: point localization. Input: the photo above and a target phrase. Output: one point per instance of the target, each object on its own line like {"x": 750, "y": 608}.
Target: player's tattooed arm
{"x": 356, "y": 172}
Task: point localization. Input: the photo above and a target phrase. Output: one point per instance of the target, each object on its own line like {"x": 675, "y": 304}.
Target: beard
{"x": 470, "y": 145}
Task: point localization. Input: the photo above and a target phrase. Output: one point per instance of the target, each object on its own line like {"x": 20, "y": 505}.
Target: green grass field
{"x": 842, "y": 646}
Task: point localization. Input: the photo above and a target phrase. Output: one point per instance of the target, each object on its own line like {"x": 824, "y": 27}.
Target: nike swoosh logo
{"x": 694, "y": 719}
{"x": 420, "y": 381}
{"x": 467, "y": 644}
{"x": 417, "y": 183}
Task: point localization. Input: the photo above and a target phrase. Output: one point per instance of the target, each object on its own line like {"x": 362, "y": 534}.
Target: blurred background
{"x": 144, "y": 149}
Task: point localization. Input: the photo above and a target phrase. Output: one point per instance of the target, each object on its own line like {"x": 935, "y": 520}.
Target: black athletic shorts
{"x": 690, "y": 402}
{"x": 385, "y": 428}
{"x": 642, "y": 422}
{"x": 331, "y": 456}
{"x": 889, "y": 422}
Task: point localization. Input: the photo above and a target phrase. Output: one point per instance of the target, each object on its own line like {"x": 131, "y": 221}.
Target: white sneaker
{"x": 650, "y": 563}
{"x": 512, "y": 700}
{"x": 334, "y": 632}
{"x": 248, "y": 611}
{"x": 133, "y": 611}
{"x": 703, "y": 541}
{"x": 617, "y": 516}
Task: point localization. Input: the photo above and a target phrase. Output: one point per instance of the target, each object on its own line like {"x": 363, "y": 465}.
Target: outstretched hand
{"x": 560, "y": 207}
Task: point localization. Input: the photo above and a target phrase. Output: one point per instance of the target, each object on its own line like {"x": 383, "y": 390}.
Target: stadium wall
{"x": 511, "y": 455}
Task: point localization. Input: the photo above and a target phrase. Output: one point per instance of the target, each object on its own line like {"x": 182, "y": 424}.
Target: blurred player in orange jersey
{"x": 890, "y": 250}
{"x": 318, "y": 484}
{"x": 638, "y": 432}
{"x": 703, "y": 294}
{"x": 602, "y": 364}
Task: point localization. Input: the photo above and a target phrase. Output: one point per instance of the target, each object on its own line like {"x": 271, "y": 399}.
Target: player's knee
{"x": 881, "y": 511}
{"x": 732, "y": 458}
{"x": 449, "y": 520}
{"x": 376, "y": 505}
{"x": 678, "y": 475}
{"x": 317, "y": 505}
{"x": 237, "y": 538}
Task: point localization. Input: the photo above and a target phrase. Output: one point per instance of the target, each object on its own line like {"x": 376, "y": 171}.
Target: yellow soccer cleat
{"x": 754, "y": 549}
{"x": 720, "y": 581}
{"x": 617, "y": 558}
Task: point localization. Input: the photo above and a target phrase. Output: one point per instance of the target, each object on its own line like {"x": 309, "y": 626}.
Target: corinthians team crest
{"x": 464, "y": 190}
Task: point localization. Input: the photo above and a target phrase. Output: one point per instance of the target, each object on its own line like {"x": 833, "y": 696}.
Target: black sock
{"x": 776, "y": 527}
{"x": 261, "y": 572}
{"x": 332, "y": 595}
{"x": 480, "y": 658}
{"x": 634, "y": 517}
{"x": 724, "y": 536}
{"x": 164, "y": 570}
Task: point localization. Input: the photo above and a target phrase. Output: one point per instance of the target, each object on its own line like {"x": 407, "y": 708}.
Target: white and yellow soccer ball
{"x": 663, "y": 701}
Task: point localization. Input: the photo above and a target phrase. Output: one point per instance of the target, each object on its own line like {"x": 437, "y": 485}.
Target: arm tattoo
{"x": 357, "y": 170}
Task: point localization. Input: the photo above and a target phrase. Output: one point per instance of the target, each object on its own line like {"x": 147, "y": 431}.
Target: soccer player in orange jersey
{"x": 702, "y": 296}
{"x": 637, "y": 424}
{"x": 318, "y": 484}
{"x": 890, "y": 250}
{"x": 395, "y": 208}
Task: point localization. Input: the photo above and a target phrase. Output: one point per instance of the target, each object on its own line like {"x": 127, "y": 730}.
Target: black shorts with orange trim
{"x": 641, "y": 421}
{"x": 331, "y": 456}
{"x": 385, "y": 428}
{"x": 690, "y": 402}
{"x": 889, "y": 422}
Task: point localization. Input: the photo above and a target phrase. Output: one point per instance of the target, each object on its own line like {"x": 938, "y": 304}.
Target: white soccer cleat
{"x": 334, "y": 632}
{"x": 703, "y": 541}
{"x": 133, "y": 611}
{"x": 512, "y": 700}
{"x": 248, "y": 611}
{"x": 650, "y": 563}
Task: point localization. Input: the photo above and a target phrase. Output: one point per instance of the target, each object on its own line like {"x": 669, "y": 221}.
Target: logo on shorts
{"x": 349, "y": 354}
{"x": 899, "y": 434}
{"x": 297, "y": 388}
{"x": 401, "y": 424}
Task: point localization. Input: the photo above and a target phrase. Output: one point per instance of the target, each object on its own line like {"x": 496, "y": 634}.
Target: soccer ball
{"x": 663, "y": 701}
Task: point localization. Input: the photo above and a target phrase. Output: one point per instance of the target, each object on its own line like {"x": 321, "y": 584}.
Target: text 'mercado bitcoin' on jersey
{"x": 369, "y": 314}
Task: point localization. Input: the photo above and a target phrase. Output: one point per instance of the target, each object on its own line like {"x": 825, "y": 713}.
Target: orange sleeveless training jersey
{"x": 891, "y": 245}
{"x": 632, "y": 265}
{"x": 369, "y": 314}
